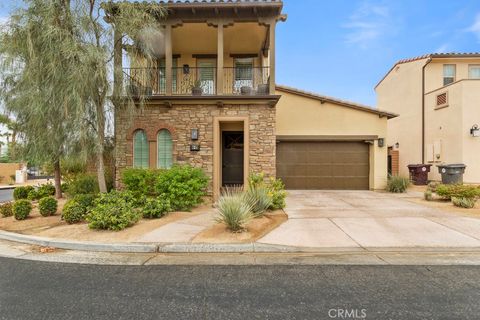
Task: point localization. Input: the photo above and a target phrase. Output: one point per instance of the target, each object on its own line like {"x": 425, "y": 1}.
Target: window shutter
{"x": 164, "y": 149}
{"x": 140, "y": 150}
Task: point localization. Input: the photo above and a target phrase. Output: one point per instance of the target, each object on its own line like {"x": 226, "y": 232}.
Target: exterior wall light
{"x": 397, "y": 145}
{"x": 194, "y": 134}
{"x": 381, "y": 142}
{"x": 475, "y": 131}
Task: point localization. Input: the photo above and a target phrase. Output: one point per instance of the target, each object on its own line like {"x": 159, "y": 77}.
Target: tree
{"x": 56, "y": 58}
{"x": 39, "y": 51}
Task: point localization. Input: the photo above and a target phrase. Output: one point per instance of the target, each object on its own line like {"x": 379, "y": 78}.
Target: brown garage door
{"x": 323, "y": 165}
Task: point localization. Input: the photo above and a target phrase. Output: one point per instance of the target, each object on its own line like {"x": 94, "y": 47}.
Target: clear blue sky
{"x": 343, "y": 48}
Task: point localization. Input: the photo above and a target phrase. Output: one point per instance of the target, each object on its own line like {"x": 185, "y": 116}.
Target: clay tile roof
{"x": 433, "y": 56}
{"x": 340, "y": 102}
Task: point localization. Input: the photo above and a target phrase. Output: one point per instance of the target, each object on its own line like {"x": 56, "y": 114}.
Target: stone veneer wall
{"x": 180, "y": 119}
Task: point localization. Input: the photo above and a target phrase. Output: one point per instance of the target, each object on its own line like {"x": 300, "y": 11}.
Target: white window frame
{"x": 448, "y": 77}
{"x": 470, "y": 67}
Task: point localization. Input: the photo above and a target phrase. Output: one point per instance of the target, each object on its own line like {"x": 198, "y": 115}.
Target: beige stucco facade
{"x": 446, "y": 126}
{"x": 300, "y": 115}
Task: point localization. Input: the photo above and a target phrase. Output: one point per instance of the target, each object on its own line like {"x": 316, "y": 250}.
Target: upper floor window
{"x": 244, "y": 72}
{"x": 164, "y": 149}
{"x": 448, "y": 73}
{"x": 140, "y": 149}
{"x": 474, "y": 71}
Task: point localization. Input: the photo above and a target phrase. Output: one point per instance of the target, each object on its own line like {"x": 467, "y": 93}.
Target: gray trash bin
{"x": 452, "y": 173}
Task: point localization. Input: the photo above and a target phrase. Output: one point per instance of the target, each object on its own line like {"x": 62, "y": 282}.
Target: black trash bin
{"x": 452, "y": 173}
{"x": 419, "y": 173}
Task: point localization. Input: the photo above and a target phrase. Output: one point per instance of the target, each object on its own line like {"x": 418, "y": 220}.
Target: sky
{"x": 342, "y": 48}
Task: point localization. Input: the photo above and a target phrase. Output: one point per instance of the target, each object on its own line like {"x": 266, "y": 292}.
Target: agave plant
{"x": 234, "y": 209}
{"x": 261, "y": 199}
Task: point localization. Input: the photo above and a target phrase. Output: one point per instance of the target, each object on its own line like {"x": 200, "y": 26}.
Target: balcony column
{"x": 168, "y": 60}
{"x": 271, "y": 34}
{"x": 220, "y": 59}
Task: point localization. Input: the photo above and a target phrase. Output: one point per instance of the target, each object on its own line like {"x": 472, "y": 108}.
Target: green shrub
{"x": 449, "y": 191}
{"x": 46, "y": 190}
{"x": 83, "y": 184}
{"x": 140, "y": 181}
{"x": 275, "y": 188}
{"x": 432, "y": 186}
{"x": 183, "y": 186}
{"x": 112, "y": 211}
{"x": 464, "y": 202}
{"x": 397, "y": 184}
{"x": 234, "y": 210}
{"x": 64, "y": 187}
{"x": 22, "y": 192}
{"x": 428, "y": 195}
{"x": 85, "y": 200}
{"x": 6, "y": 209}
{"x": 156, "y": 208}
{"x": 260, "y": 198}
{"x": 33, "y": 195}
{"x": 47, "y": 206}
{"x": 22, "y": 209}
{"x": 74, "y": 211}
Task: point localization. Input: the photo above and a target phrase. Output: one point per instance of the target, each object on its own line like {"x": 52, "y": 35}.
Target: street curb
{"x": 254, "y": 247}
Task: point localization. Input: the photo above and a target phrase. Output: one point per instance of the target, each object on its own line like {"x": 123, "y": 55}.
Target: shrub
{"x": 234, "y": 210}
{"x": 83, "y": 184}
{"x": 260, "y": 198}
{"x": 47, "y": 206}
{"x": 140, "y": 181}
{"x": 464, "y": 202}
{"x": 397, "y": 184}
{"x": 156, "y": 208}
{"x": 46, "y": 190}
{"x": 22, "y": 209}
{"x": 85, "y": 200}
{"x": 275, "y": 188}
{"x": 112, "y": 211}
{"x": 449, "y": 191}
{"x": 432, "y": 186}
{"x": 73, "y": 211}
{"x": 33, "y": 195}
{"x": 64, "y": 187}
{"x": 183, "y": 186}
{"x": 22, "y": 192}
{"x": 6, "y": 209}
{"x": 428, "y": 195}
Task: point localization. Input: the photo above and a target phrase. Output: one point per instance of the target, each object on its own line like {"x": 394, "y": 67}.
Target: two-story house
{"x": 438, "y": 99}
{"x": 212, "y": 102}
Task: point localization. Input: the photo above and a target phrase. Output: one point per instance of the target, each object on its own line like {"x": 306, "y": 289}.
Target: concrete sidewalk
{"x": 370, "y": 220}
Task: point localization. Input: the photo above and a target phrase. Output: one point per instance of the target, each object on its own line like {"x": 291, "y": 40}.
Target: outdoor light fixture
{"x": 475, "y": 131}
{"x": 194, "y": 134}
{"x": 381, "y": 142}
{"x": 397, "y": 145}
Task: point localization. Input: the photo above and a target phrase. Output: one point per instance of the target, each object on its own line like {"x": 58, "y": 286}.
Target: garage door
{"x": 323, "y": 165}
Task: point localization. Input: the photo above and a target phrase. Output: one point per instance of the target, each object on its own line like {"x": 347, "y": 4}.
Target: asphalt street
{"x": 6, "y": 195}
{"x": 42, "y": 290}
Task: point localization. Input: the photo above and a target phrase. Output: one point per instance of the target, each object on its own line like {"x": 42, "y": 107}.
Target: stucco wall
{"x": 401, "y": 92}
{"x": 471, "y": 116}
{"x": 180, "y": 119}
{"x": 8, "y": 169}
{"x": 298, "y": 115}
{"x": 434, "y": 71}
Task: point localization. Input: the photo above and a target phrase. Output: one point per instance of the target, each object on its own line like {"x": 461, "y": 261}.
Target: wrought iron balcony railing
{"x": 197, "y": 81}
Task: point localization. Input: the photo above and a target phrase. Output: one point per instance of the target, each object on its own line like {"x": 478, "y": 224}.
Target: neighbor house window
{"x": 448, "y": 74}
{"x": 140, "y": 149}
{"x": 474, "y": 71}
{"x": 164, "y": 149}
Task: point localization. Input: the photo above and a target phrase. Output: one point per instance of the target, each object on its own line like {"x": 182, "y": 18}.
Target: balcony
{"x": 197, "y": 81}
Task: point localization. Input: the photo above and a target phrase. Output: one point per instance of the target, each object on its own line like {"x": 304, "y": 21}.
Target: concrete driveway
{"x": 359, "y": 220}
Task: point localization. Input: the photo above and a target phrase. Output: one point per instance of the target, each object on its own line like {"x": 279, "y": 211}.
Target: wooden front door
{"x": 232, "y": 158}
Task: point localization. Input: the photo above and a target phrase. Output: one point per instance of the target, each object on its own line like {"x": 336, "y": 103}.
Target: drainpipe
{"x": 423, "y": 109}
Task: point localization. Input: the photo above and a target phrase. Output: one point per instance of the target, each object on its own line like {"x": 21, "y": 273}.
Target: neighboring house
{"x": 438, "y": 99}
{"x": 213, "y": 103}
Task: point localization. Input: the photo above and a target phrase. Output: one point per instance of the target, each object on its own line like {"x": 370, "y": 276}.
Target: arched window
{"x": 140, "y": 149}
{"x": 164, "y": 149}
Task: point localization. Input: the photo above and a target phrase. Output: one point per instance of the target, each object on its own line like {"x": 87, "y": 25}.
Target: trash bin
{"x": 452, "y": 173}
{"x": 419, "y": 173}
